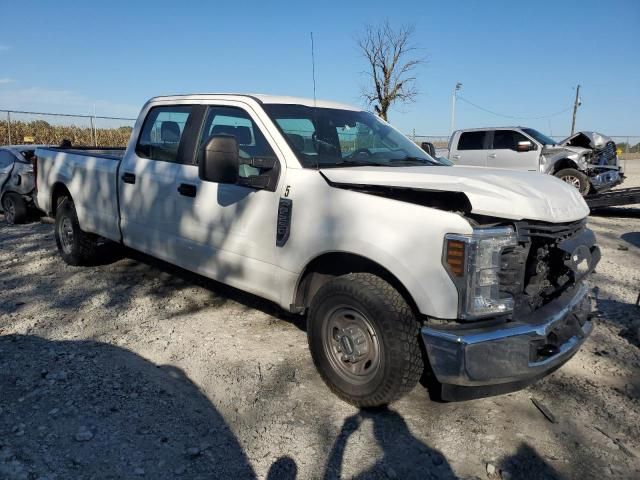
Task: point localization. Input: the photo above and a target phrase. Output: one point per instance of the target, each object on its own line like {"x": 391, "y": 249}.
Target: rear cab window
{"x": 162, "y": 132}
{"x": 472, "y": 141}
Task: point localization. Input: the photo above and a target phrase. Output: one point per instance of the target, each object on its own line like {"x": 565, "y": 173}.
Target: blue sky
{"x": 518, "y": 59}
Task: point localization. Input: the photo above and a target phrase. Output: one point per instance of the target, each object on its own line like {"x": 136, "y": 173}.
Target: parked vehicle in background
{"x": 331, "y": 212}
{"x": 17, "y": 181}
{"x": 587, "y": 160}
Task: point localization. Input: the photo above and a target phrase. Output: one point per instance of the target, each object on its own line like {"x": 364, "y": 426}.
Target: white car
{"x": 329, "y": 211}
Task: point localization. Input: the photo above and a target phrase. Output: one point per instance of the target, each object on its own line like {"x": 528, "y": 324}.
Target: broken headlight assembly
{"x": 474, "y": 262}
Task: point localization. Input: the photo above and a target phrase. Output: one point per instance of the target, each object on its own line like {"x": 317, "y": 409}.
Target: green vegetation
{"x": 41, "y": 132}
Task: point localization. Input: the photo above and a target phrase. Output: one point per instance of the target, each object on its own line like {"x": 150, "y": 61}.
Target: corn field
{"x": 42, "y": 132}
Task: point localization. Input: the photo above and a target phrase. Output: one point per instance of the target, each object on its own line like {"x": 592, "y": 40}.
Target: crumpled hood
{"x": 593, "y": 140}
{"x": 495, "y": 192}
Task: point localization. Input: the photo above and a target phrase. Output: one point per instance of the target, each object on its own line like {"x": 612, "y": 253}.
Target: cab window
{"x": 472, "y": 141}
{"x": 162, "y": 131}
{"x": 237, "y": 123}
{"x": 507, "y": 139}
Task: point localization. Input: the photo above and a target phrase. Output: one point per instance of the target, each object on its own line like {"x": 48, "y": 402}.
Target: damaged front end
{"x": 592, "y": 153}
{"x": 542, "y": 269}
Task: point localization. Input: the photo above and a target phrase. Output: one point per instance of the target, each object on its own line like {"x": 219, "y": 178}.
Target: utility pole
{"x": 576, "y": 104}
{"x": 454, "y": 95}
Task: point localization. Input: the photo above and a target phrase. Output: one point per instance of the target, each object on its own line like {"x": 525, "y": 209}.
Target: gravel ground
{"x": 136, "y": 369}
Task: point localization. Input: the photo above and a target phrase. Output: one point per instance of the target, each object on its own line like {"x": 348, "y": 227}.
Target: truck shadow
{"x": 403, "y": 455}
{"x": 83, "y": 409}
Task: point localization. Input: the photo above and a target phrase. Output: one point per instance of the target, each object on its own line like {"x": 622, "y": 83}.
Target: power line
{"x": 65, "y": 115}
{"x": 513, "y": 116}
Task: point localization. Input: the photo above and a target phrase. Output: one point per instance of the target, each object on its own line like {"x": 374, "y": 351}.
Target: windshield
{"x": 329, "y": 137}
{"x": 539, "y": 137}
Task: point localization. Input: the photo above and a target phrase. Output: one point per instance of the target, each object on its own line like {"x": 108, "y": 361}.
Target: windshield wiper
{"x": 414, "y": 160}
{"x": 350, "y": 163}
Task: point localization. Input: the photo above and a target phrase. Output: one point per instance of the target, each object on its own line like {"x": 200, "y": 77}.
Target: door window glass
{"x": 162, "y": 132}
{"x": 472, "y": 141}
{"x": 507, "y": 139}
{"x": 6, "y": 159}
{"x": 238, "y": 123}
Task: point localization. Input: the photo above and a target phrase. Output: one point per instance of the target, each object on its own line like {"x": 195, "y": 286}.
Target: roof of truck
{"x": 262, "y": 98}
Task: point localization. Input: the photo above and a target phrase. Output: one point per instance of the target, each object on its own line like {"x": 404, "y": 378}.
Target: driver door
{"x": 505, "y": 154}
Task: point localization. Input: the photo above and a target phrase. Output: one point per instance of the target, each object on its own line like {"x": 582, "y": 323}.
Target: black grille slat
{"x": 545, "y": 274}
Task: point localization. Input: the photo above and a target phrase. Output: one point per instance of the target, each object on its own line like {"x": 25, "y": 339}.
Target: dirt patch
{"x": 133, "y": 368}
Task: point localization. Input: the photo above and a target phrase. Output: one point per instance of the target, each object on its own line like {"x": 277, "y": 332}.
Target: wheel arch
{"x": 58, "y": 190}
{"x": 564, "y": 163}
{"x": 328, "y": 265}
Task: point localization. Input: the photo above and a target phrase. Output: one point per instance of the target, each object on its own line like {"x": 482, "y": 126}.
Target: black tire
{"x": 75, "y": 246}
{"x": 576, "y": 179}
{"x": 14, "y": 208}
{"x": 371, "y": 300}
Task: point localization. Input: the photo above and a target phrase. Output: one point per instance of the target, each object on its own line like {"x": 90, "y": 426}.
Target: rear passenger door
{"x": 471, "y": 149}
{"x": 147, "y": 180}
{"x": 504, "y": 152}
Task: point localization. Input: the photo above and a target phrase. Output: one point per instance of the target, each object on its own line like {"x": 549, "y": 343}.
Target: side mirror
{"x": 219, "y": 161}
{"x": 526, "y": 146}
{"x": 429, "y": 148}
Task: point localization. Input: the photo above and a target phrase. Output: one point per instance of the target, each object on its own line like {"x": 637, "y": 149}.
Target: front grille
{"x": 535, "y": 271}
{"x": 607, "y": 155}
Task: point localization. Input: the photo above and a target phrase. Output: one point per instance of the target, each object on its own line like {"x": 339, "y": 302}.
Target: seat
{"x": 169, "y": 132}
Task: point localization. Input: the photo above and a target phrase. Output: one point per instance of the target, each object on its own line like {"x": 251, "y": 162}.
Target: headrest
{"x": 170, "y": 132}
{"x": 242, "y": 134}
{"x": 297, "y": 140}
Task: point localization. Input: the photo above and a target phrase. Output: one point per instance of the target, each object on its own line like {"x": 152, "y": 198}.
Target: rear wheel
{"x": 576, "y": 179}
{"x": 363, "y": 339}
{"x": 15, "y": 208}
{"x": 75, "y": 246}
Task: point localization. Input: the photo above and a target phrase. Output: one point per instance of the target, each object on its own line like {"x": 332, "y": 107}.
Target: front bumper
{"x": 606, "y": 180}
{"x": 512, "y": 353}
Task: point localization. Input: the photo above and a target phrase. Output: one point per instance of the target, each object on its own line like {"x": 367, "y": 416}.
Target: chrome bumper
{"x": 524, "y": 349}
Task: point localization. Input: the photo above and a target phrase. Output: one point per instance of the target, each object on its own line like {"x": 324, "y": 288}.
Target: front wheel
{"x": 576, "y": 179}
{"x": 75, "y": 246}
{"x": 14, "y": 208}
{"x": 363, "y": 339}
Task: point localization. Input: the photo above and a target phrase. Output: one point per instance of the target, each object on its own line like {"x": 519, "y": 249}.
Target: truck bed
{"x": 90, "y": 176}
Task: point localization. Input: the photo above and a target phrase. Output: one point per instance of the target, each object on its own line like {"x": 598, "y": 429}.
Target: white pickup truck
{"x": 402, "y": 265}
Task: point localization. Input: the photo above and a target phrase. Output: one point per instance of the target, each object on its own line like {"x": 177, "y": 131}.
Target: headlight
{"x": 473, "y": 262}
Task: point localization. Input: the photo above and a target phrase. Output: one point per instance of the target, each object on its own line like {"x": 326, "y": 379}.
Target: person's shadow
{"x": 404, "y": 456}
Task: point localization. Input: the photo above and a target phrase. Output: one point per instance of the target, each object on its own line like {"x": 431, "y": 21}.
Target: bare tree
{"x": 392, "y": 60}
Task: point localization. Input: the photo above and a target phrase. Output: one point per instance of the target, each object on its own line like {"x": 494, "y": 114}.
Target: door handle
{"x": 187, "y": 190}
{"x": 128, "y": 177}
{"x": 457, "y": 157}
{"x": 492, "y": 155}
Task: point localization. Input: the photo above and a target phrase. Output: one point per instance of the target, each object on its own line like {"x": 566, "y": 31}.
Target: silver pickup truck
{"x": 585, "y": 160}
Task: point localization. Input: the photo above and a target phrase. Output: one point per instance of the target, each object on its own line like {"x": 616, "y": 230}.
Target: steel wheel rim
{"x": 351, "y": 344}
{"x": 66, "y": 235}
{"x": 9, "y": 210}
{"x": 572, "y": 180}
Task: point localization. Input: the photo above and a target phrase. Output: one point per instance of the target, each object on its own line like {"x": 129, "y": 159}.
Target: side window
{"x": 162, "y": 131}
{"x": 299, "y": 132}
{"x": 6, "y": 159}
{"x": 507, "y": 139}
{"x": 472, "y": 141}
{"x": 238, "y": 123}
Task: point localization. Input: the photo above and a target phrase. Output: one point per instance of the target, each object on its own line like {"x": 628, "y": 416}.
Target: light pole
{"x": 453, "y": 104}
{"x": 576, "y": 104}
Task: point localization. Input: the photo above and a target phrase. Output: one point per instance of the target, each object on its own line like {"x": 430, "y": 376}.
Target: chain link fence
{"x": 19, "y": 127}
